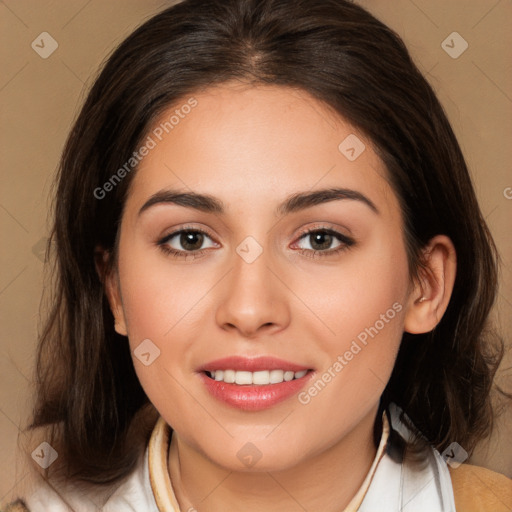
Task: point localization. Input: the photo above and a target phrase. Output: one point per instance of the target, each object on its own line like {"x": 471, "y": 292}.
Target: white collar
{"x": 401, "y": 484}
{"x": 392, "y": 483}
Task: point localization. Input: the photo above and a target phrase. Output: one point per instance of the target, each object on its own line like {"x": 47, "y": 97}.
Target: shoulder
{"x": 479, "y": 489}
{"x": 132, "y": 494}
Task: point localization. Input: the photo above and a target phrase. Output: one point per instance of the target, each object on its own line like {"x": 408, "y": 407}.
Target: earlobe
{"x": 110, "y": 280}
{"x": 430, "y": 297}
{"x": 116, "y": 306}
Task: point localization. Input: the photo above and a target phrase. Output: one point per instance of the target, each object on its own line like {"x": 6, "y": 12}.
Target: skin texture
{"x": 252, "y": 147}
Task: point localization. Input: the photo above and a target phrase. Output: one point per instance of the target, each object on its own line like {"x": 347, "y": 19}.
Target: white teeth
{"x": 229, "y": 376}
{"x": 276, "y": 376}
{"x": 288, "y": 376}
{"x": 260, "y": 378}
{"x": 243, "y": 377}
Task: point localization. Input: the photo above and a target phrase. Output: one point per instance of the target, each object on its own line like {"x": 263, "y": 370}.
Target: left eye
{"x": 322, "y": 239}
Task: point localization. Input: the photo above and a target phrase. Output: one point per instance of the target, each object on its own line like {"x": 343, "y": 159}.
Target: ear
{"x": 109, "y": 277}
{"x": 430, "y": 297}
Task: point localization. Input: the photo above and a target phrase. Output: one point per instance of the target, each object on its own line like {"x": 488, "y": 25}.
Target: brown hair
{"x": 88, "y": 394}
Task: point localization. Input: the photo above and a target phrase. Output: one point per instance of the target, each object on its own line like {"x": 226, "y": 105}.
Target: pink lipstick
{"x": 253, "y": 384}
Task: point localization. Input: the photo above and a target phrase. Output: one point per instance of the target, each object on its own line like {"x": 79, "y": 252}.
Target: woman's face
{"x": 246, "y": 292}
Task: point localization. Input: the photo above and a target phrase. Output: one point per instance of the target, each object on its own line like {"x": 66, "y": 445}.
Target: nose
{"x": 254, "y": 298}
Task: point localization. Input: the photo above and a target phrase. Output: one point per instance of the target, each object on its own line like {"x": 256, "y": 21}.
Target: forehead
{"x": 256, "y": 143}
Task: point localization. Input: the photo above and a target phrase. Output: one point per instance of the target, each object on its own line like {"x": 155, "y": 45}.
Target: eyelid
{"x": 330, "y": 228}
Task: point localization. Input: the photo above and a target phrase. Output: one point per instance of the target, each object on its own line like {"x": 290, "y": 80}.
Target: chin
{"x": 254, "y": 457}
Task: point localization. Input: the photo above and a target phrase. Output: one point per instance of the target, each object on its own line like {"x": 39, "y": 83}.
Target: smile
{"x": 253, "y": 384}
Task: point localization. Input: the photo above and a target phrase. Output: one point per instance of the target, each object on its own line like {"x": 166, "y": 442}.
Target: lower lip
{"x": 251, "y": 397}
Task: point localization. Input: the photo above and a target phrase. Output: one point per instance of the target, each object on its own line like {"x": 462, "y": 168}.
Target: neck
{"x": 328, "y": 481}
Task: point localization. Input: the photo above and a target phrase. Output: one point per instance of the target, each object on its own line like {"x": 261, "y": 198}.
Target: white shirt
{"x": 392, "y": 483}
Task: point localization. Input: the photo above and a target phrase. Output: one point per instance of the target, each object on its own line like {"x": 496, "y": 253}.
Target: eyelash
{"x": 346, "y": 243}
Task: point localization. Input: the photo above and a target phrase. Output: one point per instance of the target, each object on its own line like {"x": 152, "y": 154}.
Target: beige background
{"x": 40, "y": 98}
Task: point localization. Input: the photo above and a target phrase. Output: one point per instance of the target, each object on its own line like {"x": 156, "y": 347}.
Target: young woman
{"x": 273, "y": 278}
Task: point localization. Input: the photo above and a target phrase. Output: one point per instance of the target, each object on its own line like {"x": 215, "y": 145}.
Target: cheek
{"x": 160, "y": 302}
{"x": 361, "y": 304}
{"x": 158, "y": 293}
{"x": 160, "y": 305}
{"x": 350, "y": 296}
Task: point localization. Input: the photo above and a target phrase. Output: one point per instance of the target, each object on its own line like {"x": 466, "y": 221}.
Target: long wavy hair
{"x": 88, "y": 398}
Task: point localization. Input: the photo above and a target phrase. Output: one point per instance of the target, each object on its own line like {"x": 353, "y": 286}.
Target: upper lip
{"x": 252, "y": 364}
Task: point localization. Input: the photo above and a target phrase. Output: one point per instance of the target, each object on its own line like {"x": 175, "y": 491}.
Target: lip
{"x": 252, "y": 364}
{"x": 253, "y": 397}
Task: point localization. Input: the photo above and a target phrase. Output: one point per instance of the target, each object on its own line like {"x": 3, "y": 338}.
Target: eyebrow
{"x": 294, "y": 203}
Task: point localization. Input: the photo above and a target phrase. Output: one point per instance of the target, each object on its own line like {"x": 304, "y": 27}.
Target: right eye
{"x": 185, "y": 242}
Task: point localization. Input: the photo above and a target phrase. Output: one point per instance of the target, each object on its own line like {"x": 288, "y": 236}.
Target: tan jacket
{"x": 477, "y": 489}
